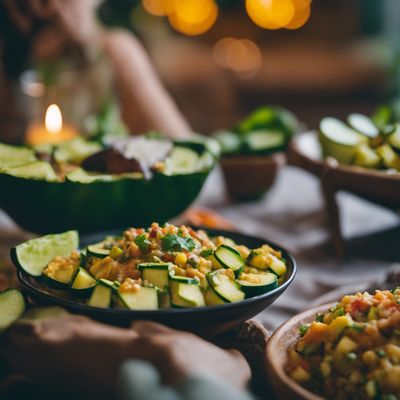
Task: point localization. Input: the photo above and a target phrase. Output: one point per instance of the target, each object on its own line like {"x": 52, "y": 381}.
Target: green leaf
{"x": 303, "y": 329}
{"x": 207, "y": 253}
{"x": 173, "y": 242}
{"x": 320, "y": 317}
{"x": 143, "y": 242}
{"x": 358, "y": 327}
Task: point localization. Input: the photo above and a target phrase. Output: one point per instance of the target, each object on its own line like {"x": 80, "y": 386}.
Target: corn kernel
{"x": 300, "y": 375}
{"x": 346, "y": 345}
{"x": 180, "y": 259}
{"x": 337, "y": 326}
{"x": 325, "y": 369}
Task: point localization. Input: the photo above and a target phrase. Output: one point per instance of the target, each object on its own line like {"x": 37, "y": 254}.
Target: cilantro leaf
{"x": 303, "y": 329}
{"x": 207, "y": 253}
{"x": 173, "y": 242}
{"x": 143, "y": 242}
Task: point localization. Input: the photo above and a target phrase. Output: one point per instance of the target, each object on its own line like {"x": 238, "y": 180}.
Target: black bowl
{"x": 209, "y": 320}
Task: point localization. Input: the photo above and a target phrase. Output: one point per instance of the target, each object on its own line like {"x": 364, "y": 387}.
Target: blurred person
{"x": 47, "y": 29}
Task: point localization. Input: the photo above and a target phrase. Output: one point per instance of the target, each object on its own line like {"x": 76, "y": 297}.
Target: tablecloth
{"x": 292, "y": 214}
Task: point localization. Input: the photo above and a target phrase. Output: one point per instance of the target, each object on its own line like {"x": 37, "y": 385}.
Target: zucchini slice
{"x": 227, "y": 289}
{"x": 366, "y": 157}
{"x": 264, "y": 141}
{"x": 11, "y": 156}
{"x": 82, "y": 283}
{"x": 394, "y": 138}
{"x": 230, "y": 142}
{"x": 183, "y": 279}
{"x": 40, "y": 170}
{"x": 390, "y": 158}
{"x": 186, "y": 294}
{"x": 229, "y": 257}
{"x": 256, "y": 284}
{"x": 59, "y": 278}
{"x": 75, "y": 150}
{"x": 12, "y": 306}
{"x": 277, "y": 266}
{"x": 97, "y": 250}
{"x": 102, "y": 294}
{"x": 144, "y": 299}
{"x": 33, "y": 256}
{"x": 156, "y": 274}
{"x": 363, "y": 124}
{"x": 182, "y": 161}
{"x": 211, "y": 297}
{"x": 338, "y": 140}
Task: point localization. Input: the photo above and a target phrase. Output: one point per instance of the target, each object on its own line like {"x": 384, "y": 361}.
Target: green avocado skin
{"x": 48, "y": 207}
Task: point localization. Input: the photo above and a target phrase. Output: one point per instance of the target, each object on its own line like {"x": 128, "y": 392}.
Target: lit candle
{"x": 53, "y": 130}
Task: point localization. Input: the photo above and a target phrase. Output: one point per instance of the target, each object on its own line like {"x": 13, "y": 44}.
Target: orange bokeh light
{"x": 159, "y": 8}
{"x": 242, "y": 56}
{"x": 270, "y": 14}
{"x": 301, "y": 15}
{"x": 193, "y": 17}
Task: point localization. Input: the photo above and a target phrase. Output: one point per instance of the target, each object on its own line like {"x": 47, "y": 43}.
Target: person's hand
{"x": 177, "y": 354}
{"x": 69, "y": 348}
{"x": 60, "y": 22}
{"x": 74, "y": 348}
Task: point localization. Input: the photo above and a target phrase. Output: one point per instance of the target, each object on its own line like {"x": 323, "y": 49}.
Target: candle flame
{"x": 53, "y": 119}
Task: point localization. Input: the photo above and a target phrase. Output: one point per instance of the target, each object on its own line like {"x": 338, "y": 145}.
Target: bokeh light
{"x": 270, "y": 14}
{"x": 242, "y": 56}
{"x": 193, "y": 17}
{"x": 159, "y": 8}
{"x": 301, "y": 15}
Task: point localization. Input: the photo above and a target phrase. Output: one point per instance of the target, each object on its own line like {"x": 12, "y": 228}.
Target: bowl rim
{"x": 278, "y": 368}
{"x": 296, "y": 148}
{"x": 25, "y": 278}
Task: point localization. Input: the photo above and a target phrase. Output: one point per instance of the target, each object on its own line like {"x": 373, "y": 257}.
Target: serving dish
{"x": 379, "y": 187}
{"x": 253, "y": 151}
{"x": 202, "y": 320}
{"x": 248, "y": 178}
{"x": 346, "y": 350}
{"x": 42, "y": 203}
{"x": 276, "y": 356}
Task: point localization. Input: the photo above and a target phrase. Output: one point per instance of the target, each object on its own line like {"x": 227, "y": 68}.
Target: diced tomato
{"x": 359, "y": 305}
{"x": 315, "y": 332}
{"x": 192, "y": 233}
{"x": 168, "y": 257}
{"x": 153, "y": 233}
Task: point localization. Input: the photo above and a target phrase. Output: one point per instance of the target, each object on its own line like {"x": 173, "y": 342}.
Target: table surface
{"x": 292, "y": 214}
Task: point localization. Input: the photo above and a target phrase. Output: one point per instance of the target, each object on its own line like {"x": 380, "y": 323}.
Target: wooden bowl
{"x": 377, "y": 186}
{"x": 276, "y": 356}
{"x": 249, "y": 177}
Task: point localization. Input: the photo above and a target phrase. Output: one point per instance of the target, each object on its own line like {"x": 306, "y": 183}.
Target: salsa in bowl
{"x": 351, "y": 350}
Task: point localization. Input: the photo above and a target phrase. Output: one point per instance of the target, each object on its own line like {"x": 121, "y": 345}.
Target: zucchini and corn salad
{"x": 353, "y": 350}
{"x": 159, "y": 267}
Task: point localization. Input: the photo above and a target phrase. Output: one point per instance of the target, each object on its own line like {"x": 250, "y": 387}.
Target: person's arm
{"x": 145, "y": 103}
